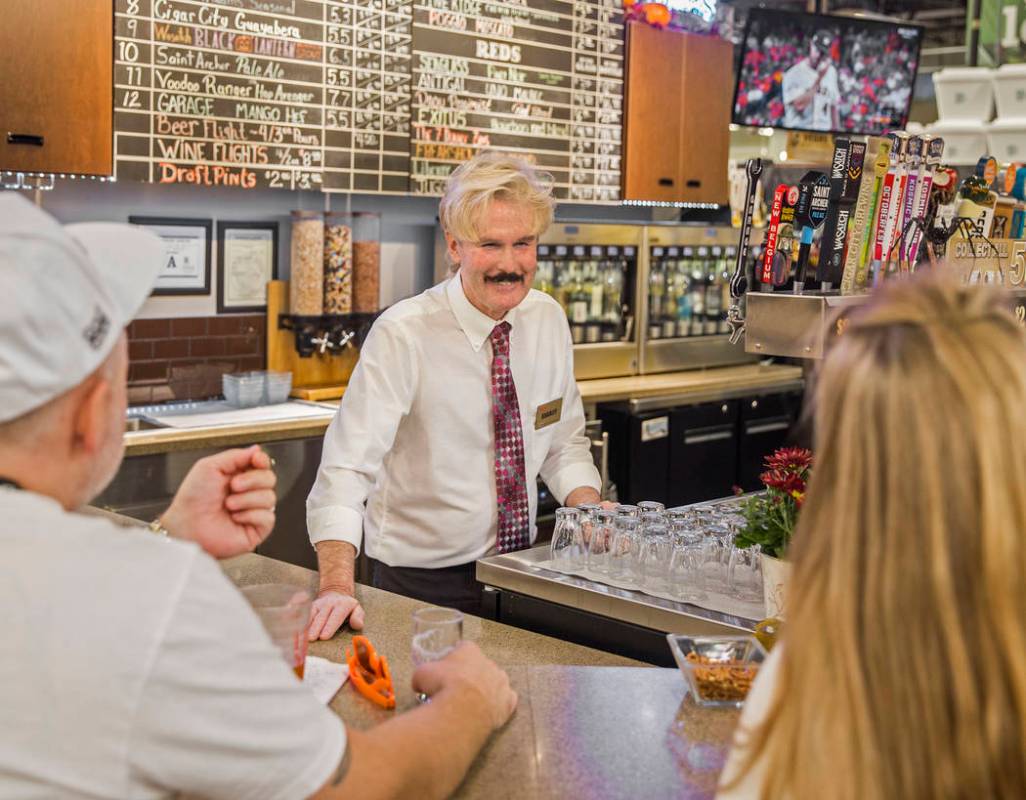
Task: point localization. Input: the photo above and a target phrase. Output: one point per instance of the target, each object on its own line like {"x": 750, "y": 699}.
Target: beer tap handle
{"x": 739, "y": 281}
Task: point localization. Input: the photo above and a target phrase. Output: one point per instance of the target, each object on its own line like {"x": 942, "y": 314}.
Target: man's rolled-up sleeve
{"x": 569, "y": 464}
{"x": 379, "y": 395}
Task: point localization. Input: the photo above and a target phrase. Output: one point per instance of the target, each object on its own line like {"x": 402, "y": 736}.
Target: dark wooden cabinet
{"x": 56, "y": 94}
{"x": 676, "y": 130}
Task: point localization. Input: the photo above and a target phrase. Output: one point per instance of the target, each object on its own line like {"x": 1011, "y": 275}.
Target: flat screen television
{"x": 813, "y": 72}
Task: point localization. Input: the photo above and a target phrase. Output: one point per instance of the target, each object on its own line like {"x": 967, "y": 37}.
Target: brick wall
{"x": 183, "y": 359}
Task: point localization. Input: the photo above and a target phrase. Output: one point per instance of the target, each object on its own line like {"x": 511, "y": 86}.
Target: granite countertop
{"x": 589, "y": 724}
{"x": 754, "y": 377}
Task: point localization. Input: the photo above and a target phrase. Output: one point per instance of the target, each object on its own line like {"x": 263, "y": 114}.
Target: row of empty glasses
{"x": 684, "y": 553}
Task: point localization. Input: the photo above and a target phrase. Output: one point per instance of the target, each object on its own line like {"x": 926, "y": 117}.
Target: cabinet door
{"x": 56, "y": 100}
{"x": 766, "y": 424}
{"x": 703, "y": 453}
{"x": 654, "y": 98}
{"x": 705, "y": 123}
{"x": 639, "y": 450}
{"x": 678, "y": 95}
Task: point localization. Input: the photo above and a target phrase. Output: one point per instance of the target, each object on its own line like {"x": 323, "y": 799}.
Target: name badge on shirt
{"x": 548, "y": 413}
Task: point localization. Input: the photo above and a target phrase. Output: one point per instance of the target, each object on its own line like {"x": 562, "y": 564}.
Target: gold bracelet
{"x": 158, "y": 528}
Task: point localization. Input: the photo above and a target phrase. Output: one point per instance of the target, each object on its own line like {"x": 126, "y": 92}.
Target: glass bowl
{"x": 719, "y": 669}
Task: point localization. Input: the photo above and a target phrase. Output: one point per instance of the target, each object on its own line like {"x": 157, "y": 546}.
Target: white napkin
{"x": 324, "y": 677}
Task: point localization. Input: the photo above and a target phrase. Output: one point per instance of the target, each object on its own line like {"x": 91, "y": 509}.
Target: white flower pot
{"x": 775, "y": 574}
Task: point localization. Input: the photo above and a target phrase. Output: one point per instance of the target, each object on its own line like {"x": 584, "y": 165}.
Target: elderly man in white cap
{"x": 129, "y": 665}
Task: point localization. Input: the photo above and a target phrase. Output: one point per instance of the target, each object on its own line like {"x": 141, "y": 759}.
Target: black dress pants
{"x": 451, "y": 587}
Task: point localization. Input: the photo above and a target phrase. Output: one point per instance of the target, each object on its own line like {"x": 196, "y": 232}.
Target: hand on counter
{"x": 226, "y": 503}
{"x": 330, "y": 610}
{"x": 336, "y": 601}
{"x": 468, "y": 668}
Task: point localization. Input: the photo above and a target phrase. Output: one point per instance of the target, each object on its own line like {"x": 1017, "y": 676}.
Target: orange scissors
{"x": 369, "y": 673}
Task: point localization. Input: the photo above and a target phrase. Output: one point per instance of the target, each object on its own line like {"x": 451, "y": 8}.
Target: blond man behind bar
{"x": 901, "y": 673}
{"x": 463, "y": 396}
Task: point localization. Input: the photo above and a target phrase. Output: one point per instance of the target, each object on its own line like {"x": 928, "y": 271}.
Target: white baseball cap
{"x": 69, "y": 292}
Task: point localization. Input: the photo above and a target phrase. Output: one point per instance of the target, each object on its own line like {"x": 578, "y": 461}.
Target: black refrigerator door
{"x": 639, "y": 451}
{"x": 767, "y": 423}
{"x": 703, "y": 452}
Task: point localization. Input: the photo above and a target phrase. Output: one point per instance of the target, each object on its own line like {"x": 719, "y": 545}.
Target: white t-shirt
{"x": 756, "y": 708}
{"x": 410, "y": 456}
{"x": 131, "y": 667}
{"x": 817, "y": 115}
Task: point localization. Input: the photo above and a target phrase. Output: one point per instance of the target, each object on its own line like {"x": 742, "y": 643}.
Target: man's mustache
{"x": 505, "y": 277}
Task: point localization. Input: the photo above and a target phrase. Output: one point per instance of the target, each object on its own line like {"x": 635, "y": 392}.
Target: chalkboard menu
{"x": 376, "y": 96}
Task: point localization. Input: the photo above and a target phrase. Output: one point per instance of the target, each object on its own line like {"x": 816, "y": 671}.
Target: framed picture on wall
{"x": 185, "y": 268}
{"x": 247, "y": 258}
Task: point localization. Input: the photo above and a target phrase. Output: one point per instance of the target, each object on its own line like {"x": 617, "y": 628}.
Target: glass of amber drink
{"x": 284, "y": 609}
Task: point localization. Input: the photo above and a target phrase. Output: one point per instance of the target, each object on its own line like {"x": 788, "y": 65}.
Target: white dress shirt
{"x": 408, "y": 459}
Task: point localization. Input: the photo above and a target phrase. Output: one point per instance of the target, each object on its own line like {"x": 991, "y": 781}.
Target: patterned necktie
{"x": 510, "y": 485}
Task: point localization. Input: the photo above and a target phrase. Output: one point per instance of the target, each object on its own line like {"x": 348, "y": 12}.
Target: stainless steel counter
{"x": 519, "y": 573}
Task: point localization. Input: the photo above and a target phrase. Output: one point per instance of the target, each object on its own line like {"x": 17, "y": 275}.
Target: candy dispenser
{"x": 338, "y": 263}
{"x": 366, "y": 262}
{"x": 306, "y": 284}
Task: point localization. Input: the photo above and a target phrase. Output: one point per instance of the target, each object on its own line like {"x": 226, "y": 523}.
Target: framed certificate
{"x": 185, "y": 266}
{"x": 247, "y": 257}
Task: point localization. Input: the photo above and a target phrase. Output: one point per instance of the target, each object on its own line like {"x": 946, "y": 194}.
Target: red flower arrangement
{"x": 770, "y": 516}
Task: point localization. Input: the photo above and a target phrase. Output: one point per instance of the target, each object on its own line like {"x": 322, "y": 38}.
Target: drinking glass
{"x": 436, "y": 632}
{"x": 686, "y": 580}
{"x": 744, "y": 573}
{"x": 567, "y": 547}
{"x": 587, "y": 523}
{"x": 601, "y": 540}
{"x": 284, "y": 610}
{"x": 678, "y": 517}
{"x": 656, "y": 548}
{"x": 629, "y": 511}
{"x": 651, "y": 506}
{"x": 626, "y": 544}
{"x": 717, "y": 540}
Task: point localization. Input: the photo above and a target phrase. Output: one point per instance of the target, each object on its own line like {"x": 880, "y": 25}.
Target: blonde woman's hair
{"x": 903, "y": 674}
{"x": 488, "y": 176}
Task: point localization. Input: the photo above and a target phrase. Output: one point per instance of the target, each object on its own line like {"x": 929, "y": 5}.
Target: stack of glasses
{"x": 681, "y": 553}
